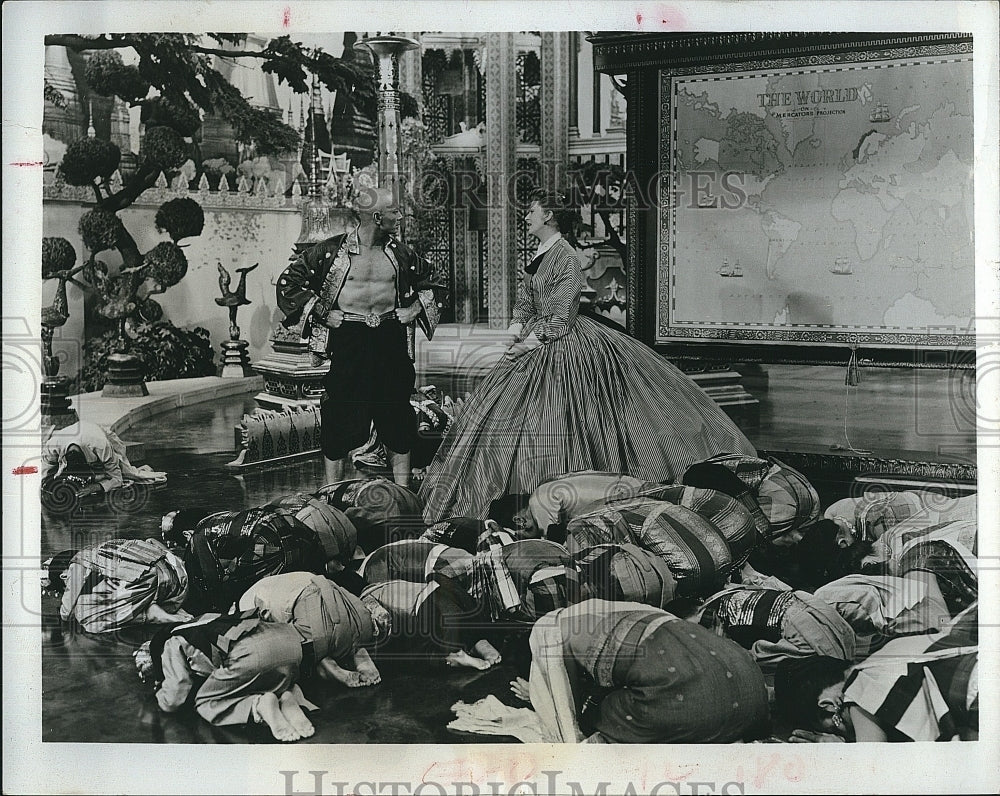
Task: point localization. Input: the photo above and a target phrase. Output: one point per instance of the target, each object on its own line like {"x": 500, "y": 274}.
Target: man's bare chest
{"x": 371, "y": 266}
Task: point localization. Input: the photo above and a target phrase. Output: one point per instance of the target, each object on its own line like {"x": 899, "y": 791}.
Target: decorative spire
{"x": 91, "y": 132}
{"x": 317, "y": 114}
{"x": 316, "y": 222}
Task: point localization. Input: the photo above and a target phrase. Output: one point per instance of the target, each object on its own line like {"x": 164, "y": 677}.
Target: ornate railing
{"x": 265, "y": 192}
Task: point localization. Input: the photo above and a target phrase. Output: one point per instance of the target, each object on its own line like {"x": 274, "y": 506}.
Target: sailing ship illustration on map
{"x": 842, "y": 266}
{"x": 730, "y": 271}
{"x": 880, "y": 113}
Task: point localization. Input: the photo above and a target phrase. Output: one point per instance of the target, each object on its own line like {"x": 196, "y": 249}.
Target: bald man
{"x": 353, "y": 296}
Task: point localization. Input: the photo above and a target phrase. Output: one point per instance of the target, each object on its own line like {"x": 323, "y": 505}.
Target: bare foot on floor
{"x": 462, "y": 658}
{"x": 329, "y": 670}
{"x": 268, "y": 710}
{"x": 367, "y": 670}
{"x": 293, "y": 714}
{"x": 519, "y": 688}
{"x": 487, "y": 652}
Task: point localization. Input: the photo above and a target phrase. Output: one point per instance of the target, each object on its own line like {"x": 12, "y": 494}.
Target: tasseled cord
{"x": 853, "y": 378}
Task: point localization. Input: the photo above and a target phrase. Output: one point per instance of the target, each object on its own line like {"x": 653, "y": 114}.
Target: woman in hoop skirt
{"x": 570, "y": 394}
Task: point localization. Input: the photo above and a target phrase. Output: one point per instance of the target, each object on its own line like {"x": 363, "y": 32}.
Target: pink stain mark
{"x": 28, "y": 163}
{"x": 25, "y": 469}
{"x": 662, "y": 17}
{"x": 286, "y": 17}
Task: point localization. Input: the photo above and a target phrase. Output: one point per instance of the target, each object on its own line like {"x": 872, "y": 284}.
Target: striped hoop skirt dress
{"x": 591, "y": 399}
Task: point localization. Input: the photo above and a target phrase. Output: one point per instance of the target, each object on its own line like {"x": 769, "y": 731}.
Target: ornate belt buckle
{"x": 373, "y": 320}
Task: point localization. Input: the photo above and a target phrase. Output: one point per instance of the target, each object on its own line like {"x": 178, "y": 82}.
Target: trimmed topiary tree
{"x": 125, "y": 297}
{"x": 173, "y": 82}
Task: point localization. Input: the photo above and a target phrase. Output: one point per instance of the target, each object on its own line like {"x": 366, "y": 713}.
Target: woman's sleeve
{"x": 76, "y": 576}
{"x": 565, "y": 290}
{"x": 522, "y": 304}
{"x": 177, "y": 681}
{"x": 111, "y": 476}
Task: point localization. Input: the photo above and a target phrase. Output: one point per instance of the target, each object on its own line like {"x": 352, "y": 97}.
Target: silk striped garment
{"x": 922, "y": 688}
{"x": 112, "y": 585}
{"x": 418, "y": 561}
{"x": 588, "y": 398}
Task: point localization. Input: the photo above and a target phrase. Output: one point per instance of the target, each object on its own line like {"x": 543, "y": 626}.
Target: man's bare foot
{"x": 157, "y": 615}
{"x": 294, "y": 716}
{"x": 519, "y": 688}
{"x": 487, "y": 652}
{"x": 329, "y": 670}
{"x": 268, "y": 710}
{"x": 462, "y": 658}
{"x": 366, "y": 668}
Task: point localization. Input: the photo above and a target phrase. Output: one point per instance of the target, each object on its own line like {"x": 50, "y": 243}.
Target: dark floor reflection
{"x": 90, "y": 690}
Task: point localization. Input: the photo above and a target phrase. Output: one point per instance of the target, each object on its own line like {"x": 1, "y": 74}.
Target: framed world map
{"x": 822, "y": 198}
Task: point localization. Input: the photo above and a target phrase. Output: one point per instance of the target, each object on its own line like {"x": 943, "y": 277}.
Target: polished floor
{"x": 90, "y": 691}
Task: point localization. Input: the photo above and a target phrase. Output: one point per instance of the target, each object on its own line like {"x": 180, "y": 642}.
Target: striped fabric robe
{"x": 112, "y": 585}
{"x": 417, "y": 560}
{"x": 922, "y": 688}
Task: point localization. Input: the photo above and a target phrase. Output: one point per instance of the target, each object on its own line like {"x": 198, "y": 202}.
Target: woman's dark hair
{"x": 57, "y": 565}
{"x": 184, "y": 520}
{"x": 503, "y": 509}
{"x": 705, "y": 475}
{"x": 348, "y": 579}
{"x": 797, "y": 686}
{"x": 822, "y": 560}
{"x": 564, "y": 212}
{"x": 76, "y": 461}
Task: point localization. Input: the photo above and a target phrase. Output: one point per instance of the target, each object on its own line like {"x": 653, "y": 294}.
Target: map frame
{"x": 791, "y": 53}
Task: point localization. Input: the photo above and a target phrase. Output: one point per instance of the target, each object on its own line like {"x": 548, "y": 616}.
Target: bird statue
{"x": 56, "y": 315}
{"x": 233, "y": 299}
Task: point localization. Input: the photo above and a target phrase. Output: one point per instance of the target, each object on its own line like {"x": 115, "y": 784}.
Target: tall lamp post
{"x": 387, "y": 50}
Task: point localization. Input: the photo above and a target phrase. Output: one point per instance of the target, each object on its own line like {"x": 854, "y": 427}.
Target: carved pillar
{"x": 501, "y": 127}
{"x": 411, "y": 73}
{"x": 466, "y": 283}
{"x": 387, "y": 50}
{"x": 574, "y": 83}
{"x": 555, "y": 108}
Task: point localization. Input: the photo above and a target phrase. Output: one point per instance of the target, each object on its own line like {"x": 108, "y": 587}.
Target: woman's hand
{"x": 334, "y": 318}
{"x": 518, "y": 350}
{"x": 519, "y": 688}
{"x": 93, "y": 488}
{"x": 808, "y": 736}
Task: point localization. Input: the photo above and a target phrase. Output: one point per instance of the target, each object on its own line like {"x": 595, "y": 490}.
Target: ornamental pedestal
{"x": 235, "y": 361}
{"x": 125, "y": 377}
{"x": 55, "y": 403}
{"x": 292, "y": 374}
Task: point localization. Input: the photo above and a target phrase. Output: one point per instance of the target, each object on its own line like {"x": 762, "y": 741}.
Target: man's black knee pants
{"x": 371, "y": 379}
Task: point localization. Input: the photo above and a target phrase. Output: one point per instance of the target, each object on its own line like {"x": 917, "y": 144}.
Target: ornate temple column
{"x": 501, "y": 153}
{"x": 574, "y": 83}
{"x": 411, "y": 73}
{"x": 387, "y": 50}
{"x": 465, "y": 257}
{"x": 555, "y": 108}
{"x": 292, "y": 375}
